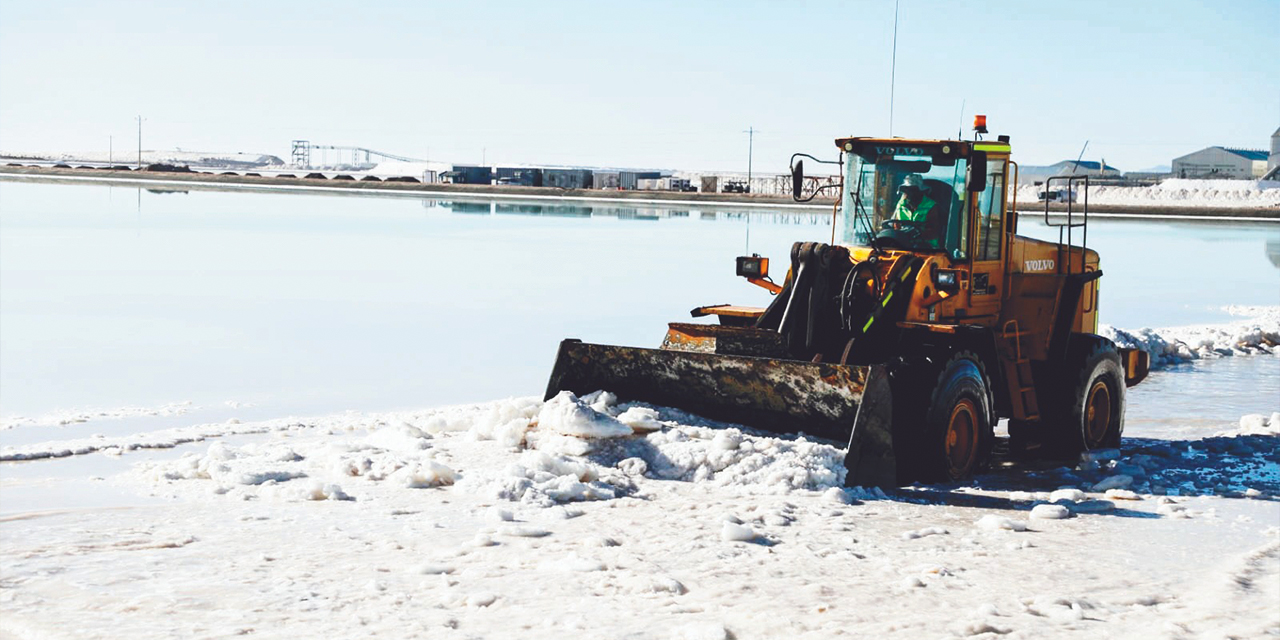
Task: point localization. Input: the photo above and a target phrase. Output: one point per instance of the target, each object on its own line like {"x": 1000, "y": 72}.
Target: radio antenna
{"x": 893, "y": 67}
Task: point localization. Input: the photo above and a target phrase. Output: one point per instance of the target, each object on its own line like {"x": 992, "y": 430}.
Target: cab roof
{"x": 875, "y": 147}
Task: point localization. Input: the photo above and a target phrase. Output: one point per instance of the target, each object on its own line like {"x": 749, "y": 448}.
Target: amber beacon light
{"x": 980, "y": 124}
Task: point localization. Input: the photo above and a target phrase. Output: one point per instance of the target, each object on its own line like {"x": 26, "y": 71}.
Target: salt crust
{"x": 568, "y": 449}
{"x": 1176, "y": 192}
{"x": 1257, "y": 334}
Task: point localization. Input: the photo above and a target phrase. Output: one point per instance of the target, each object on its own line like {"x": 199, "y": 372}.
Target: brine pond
{"x": 209, "y": 305}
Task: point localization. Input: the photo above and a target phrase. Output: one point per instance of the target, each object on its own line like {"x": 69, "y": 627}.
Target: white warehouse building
{"x": 1222, "y": 162}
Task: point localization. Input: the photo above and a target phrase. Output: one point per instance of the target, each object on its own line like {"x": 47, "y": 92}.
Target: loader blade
{"x": 777, "y": 395}
{"x": 870, "y": 459}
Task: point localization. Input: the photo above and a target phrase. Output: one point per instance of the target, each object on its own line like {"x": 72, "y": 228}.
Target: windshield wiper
{"x": 860, "y": 213}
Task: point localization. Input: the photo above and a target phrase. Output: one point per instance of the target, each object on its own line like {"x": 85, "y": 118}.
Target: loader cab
{"x": 905, "y": 196}
{"x": 964, "y": 187}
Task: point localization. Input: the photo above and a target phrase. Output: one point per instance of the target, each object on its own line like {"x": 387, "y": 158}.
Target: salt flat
{"x": 489, "y": 521}
{"x": 586, "y": 516}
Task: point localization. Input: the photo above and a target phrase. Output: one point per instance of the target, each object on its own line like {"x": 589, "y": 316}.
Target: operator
{"x": 914, "y": 205}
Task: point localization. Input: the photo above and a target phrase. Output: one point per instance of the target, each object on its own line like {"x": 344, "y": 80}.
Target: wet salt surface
{"x": 1198, "y": 398}
{"x": 87, "y": 481}
{"x": 290, "y": 304}
{"x": 29, "y": 433}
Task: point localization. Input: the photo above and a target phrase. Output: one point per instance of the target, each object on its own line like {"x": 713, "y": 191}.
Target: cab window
{"x": 991, "y": 213}
{"x": 914, "y": 203}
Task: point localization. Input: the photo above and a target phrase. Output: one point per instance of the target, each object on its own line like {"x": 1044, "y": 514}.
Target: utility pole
{"x": 751, "y": 138}
{"x": 139, "y": 142}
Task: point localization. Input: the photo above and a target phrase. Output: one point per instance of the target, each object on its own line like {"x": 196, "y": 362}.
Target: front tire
{"x": 958, "y": 422}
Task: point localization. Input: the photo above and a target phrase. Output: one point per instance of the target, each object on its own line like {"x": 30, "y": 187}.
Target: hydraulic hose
{"x": 848, "y": 293}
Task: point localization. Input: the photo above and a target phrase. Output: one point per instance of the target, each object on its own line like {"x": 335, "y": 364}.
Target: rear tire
{"x": 958, "y": 422}
{"x": 1091, "y": 416}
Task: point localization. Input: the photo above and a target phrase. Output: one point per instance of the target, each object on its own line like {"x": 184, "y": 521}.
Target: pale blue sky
{"x": 664, "y": 84}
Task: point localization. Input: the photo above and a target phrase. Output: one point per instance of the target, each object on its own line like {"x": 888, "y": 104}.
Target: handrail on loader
{"x": 1070, "y": 223}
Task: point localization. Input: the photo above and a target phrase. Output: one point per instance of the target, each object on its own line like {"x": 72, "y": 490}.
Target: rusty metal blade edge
{"x": 777, "y": 395}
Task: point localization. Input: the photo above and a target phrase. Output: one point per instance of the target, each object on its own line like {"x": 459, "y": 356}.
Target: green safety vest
{"x": 921, "y": 212}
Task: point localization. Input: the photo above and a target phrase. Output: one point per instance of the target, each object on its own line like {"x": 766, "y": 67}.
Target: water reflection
{"x": 622, "y": 211}
{"x": 311, "y": 303}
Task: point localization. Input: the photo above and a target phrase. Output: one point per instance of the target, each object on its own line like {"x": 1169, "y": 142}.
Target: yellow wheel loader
{"x": 923, "y": 322}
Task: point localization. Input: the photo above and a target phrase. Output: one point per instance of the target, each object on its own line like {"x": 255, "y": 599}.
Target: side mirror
{"x": 976, "y": 180}
{"x": 797, "y": 179}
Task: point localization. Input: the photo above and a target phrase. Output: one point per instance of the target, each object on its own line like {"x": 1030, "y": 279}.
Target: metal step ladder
{"x": 1017, "y": 373}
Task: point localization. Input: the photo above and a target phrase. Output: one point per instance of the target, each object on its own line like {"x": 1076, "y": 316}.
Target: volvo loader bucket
{"x": 846, "y": 403}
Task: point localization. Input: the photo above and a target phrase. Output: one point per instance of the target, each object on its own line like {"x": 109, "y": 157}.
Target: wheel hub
{"x": 962, "y": 439}
{"x": 1097, "y": 419}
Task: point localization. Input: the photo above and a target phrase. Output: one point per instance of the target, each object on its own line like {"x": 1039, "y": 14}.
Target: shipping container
{"x": 628, "y": 179}
{"x": 470, "y": 174}
{"x": 605, "y": 180}
{"x": 520, "y": 176}
{"x": 567, "y": 178}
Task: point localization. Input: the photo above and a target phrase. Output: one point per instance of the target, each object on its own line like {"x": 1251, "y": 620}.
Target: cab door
{"x": 988, "y": 243}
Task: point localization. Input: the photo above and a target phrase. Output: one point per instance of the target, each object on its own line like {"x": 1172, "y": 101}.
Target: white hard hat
{"x": 913, "y": 180}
